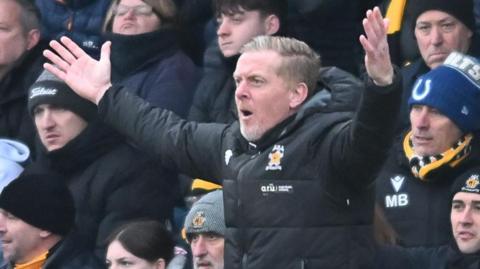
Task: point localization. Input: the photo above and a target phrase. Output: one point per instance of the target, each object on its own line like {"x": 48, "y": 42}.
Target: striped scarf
{"x": 422, "y": 166}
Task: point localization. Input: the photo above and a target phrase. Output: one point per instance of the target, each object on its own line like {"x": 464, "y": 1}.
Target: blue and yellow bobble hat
{"x": 454, "y": 89}
{"x": 468, "y": 181}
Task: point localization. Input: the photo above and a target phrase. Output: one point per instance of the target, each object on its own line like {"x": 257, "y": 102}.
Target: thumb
{"x": 386, "y": 23}
{"x": 105, "y": 51}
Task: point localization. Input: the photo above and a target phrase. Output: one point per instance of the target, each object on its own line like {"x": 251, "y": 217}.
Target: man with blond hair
{"x": 294, "y": 172}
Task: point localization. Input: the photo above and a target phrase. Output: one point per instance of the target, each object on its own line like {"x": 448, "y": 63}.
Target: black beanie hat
{"x": 48, "y": 89}
{"x": 462, "y": 10}
{"x": 40, "y": 200}
{"x": 468, "y": 181}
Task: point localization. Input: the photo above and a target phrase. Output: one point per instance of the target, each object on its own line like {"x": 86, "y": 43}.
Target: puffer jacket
{"x": 305, "y": 186}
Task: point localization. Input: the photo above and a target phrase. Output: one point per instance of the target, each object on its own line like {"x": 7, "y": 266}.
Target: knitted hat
{"x": 42, "y": 201}
{"x": 48, "y": 89}
{"x": 11, "y": 154}
{"x": 206, "y": 215}
{"x": 454, "y": 89}
{"x": 462, "y": 10}
{"x": 469, "y": 181}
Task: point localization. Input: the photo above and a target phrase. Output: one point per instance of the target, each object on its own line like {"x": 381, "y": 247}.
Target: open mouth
{"x": 245, "y": 113}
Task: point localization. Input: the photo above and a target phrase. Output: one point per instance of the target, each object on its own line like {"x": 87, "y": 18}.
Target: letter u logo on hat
{"x": 419, "y": 93}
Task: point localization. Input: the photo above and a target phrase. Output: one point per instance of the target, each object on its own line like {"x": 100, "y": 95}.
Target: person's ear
{"x": 298, "y": 95}
{"x": 272, "y": 24}
{"x": 33, "y": 37}
{"x": 160, "y": 264}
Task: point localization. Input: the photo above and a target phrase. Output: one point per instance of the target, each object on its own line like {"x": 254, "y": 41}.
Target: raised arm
{"x": 362, "y": 146}
{"x": 377, "y": 56}
{"x": 88, "y": 77}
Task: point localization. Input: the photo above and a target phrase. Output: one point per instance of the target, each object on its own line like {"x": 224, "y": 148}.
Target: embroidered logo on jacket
{"x": 397, "y": 182}
{"x": 397, "y": 199}
{"x": 275, "y": 158}
{"x": 275, "y": 188}
{"x": 228, "y": 155}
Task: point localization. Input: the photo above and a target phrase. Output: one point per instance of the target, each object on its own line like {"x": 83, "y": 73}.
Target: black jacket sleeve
{"x": 192, "y": 148}
{"x": 359, "y": 148}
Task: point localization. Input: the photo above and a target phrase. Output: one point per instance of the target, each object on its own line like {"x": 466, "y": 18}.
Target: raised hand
{"x": 88, "y": 77}
{"x": 377, "y": 55}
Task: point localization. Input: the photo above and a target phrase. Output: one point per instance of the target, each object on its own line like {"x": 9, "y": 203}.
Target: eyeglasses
{"x": 140, "y": 10}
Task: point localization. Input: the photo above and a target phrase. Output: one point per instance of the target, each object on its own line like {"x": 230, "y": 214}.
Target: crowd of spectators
{"x": 216, "y": 134}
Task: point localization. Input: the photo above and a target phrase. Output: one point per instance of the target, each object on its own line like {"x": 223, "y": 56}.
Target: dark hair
{"x": 265, "y": 7}
{"x": 146, "y": 239}
{"x": 29, "y": 15}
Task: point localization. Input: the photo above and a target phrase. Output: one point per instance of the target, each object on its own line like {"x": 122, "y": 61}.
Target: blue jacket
{"x": 159, "y": 72}
{"x": 80, "y": 20}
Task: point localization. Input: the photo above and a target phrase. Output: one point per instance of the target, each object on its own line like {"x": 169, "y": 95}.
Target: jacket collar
{"x": 131, "y": 52}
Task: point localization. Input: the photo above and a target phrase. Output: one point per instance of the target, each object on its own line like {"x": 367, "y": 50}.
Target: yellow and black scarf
{"x": 422, "y": 166}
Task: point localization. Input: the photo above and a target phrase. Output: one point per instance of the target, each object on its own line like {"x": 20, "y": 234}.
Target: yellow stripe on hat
{"x": 204, "y": 185}
{"x": 395, "y": 12}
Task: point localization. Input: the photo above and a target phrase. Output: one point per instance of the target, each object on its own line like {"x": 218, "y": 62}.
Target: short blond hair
{"x": 299, "y": 62}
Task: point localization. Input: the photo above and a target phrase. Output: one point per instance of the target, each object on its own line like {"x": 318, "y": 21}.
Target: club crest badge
{"x": 471, "y": 185}
{"x": 275, "y": 158}
{"x": 198, "y": 220}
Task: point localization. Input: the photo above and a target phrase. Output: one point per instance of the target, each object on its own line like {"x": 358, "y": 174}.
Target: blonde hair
{"x": 299, "y": 62}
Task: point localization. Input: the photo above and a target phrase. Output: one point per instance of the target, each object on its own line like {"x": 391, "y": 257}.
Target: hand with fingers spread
{"x": 377, "y": 55}
{"x": 88, "y": 77}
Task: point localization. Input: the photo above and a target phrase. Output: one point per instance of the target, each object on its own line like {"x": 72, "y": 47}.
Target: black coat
{"x": 329, "y": 159}
{"x": 111, "y": 183}
{"x": 214, "y": 99}
{"x": 419, "y": 211}
{"x": 67, "y": 255}
{"x": 442, "y": 257}
{"x": 15, "y": 122}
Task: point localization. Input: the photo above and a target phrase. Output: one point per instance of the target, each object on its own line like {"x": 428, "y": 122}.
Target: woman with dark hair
{"x": 140, "y": 245}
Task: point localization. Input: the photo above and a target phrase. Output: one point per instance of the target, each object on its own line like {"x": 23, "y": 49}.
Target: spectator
{"x": 111, "y": 181}
{"x": 35, "y": 232}
{"x": 146, "y": 53}
{"x": 205, "y": 231}
{"x": 20, "y": 65}
{"x": 286, "y": 165}
{"x": 414, "y": 184}
{"x": 81, "y": 20}
{"x": 463, "y": 250}
{"x": 440, "y": 27}
{"x": 12, "y": 155}
{"x": 140, "y": 245}
{"x": 238, "y": 23}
